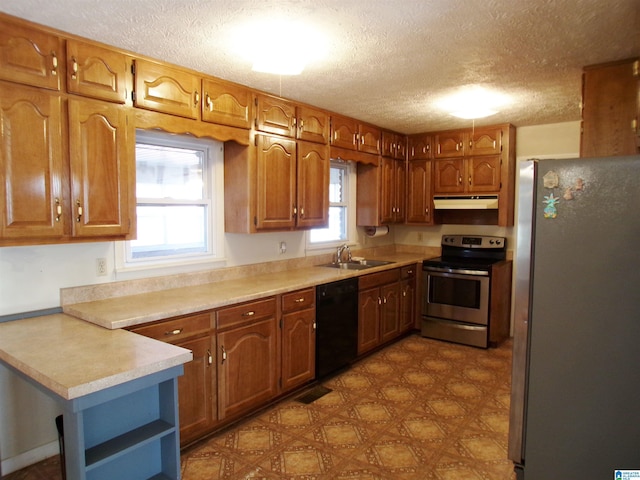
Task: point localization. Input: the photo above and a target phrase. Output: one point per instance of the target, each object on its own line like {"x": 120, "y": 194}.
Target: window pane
{"x": 337, "y": 229}
{"x": 336, "y": 182}
{"x": 165, "y": 230}
{"x": 165, "y": 172}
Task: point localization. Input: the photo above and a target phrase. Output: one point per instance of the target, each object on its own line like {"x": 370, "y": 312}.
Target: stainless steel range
{"x": 457, "y": 287}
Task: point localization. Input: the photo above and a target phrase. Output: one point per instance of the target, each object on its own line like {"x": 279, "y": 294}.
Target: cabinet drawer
{"x": 178, "y": 328}
{"x": 376, "y": 279}
{"x": 408, "y": 271}
{"x": 227, "y": 317}
{"x": 298, "y": 300}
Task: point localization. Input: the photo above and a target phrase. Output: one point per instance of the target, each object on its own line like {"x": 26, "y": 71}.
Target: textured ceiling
{"x": 389, "y": 59}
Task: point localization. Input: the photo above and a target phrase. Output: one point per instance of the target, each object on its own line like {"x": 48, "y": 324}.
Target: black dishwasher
{"x": 336, "y": 325}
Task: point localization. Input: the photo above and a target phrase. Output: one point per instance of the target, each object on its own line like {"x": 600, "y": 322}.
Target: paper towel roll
{"x": 376, "y": 231}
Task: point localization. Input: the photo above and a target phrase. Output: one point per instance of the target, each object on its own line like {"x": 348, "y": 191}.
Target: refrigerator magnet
{"x": 550, "y": 179}
{"x": 550, "y": 210}
{"x": 568, "y": 194}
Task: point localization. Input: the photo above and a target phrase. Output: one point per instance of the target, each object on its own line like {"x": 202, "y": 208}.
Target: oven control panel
{"x": 468, "y": 241}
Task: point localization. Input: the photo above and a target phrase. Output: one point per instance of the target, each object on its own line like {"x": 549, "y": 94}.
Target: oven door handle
{"x": 460, "y": 271}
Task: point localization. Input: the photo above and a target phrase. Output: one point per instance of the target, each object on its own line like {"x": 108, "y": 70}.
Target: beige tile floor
{"x": 418, "y": 409}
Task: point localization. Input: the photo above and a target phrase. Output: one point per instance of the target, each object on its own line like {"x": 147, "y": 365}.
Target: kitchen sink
{"x": 357, "y": 265}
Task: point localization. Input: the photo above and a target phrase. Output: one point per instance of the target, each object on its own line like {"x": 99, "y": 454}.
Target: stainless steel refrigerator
{"x": 575, "y": 401}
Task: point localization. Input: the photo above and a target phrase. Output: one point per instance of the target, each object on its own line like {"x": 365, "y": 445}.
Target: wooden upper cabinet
{"x": 30, "y": 56}
{"x": 611, "y": 109}
{"x": 226, "y": 104}
{"x": 369, "y": 138}
{"x": 344, "y": 132}
{"x": 96, "y": 72}
{"x": 419, "y": 207}
{"x": 276, "y": 182}
{"x": 484, "y": 141}
{"x": 101, "y": 159}
{"x": 165, "y": 89}
{"x": 312, "y": 185}
{"x": 467, "y": 175}
{"x": 394, "y": 145}
{"x": 313, "y": 124}
{"x": 449, "y": 175}
{"x": 449, "y": 144}
{"x": 275, "y": 115}
{"x": 420, "y": 147}
{"x": 31, "y": 163}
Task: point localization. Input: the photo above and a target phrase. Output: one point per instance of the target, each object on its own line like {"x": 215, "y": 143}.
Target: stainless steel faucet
{"x": 341, "y": 250}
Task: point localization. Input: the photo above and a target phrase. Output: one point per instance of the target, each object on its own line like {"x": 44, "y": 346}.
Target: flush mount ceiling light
{"x": 472, "y": 102}
{"x": 278, "y": 46}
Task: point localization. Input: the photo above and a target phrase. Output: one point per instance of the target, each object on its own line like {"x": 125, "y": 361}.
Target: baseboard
{"x": 13, "y": 464}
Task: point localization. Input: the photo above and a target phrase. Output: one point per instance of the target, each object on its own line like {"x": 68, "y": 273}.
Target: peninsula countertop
{"x": 131, "y": 310}
{"x": 73, "y": 358}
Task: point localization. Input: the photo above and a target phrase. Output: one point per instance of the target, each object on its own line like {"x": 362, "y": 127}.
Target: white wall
{"x": 31, "y": 277}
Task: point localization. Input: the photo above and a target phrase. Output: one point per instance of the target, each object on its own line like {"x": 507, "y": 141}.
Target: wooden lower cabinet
{"x": 378, "y": 309}
{"x": 298, "y": 335}
{"x": 196, "y": 392}
{"x": 248, "y": 366}
{"x": 408, "y": 298}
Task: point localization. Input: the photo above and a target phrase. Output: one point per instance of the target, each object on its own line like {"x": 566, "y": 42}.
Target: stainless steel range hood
{"x": 466, "y": 202}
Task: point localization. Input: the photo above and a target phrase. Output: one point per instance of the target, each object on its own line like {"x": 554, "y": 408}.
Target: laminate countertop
{"x": 73, "y": 358}
{"x": 131, "y": 310}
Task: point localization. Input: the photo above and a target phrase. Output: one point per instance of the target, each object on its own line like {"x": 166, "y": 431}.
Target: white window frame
{"x": 350, "y": 195}
{"x": 213, "y": 184}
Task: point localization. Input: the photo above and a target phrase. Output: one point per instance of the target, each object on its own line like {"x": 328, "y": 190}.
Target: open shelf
{"x": 122, "y": 444}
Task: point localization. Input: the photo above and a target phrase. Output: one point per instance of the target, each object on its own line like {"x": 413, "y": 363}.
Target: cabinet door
{"x": 419, "y": 192}
{"x": 344, "y": 132}
{"x": 101, "y": 156}
{"x": 420, "y": 147}
{"x": 449, "y": 144}
{"x": 31, "y": 166}
{"x": 483, "y": 174}
{"x": 298, "y": 348}
{"x": 448, "y": 175}
{"x": 248, "y": 367}
{"x": 30, "y": 56}
{"x": 369, "y": 139}
{"x": 313, "y": 125}
{"x": 96, "y": 72}
{"x": 389, "y": 312}
{"x": 276, "y": 176}
{"x": 485, "y": 141}
{"x": 275, "y": 115}
{"x": 313, "y": 185}
{"x": 226, "y": 104}
{"x": 368, "y": 319}
{"x": 401, "y": 147}
{"x": 407, "y": 304}
{"x": 611, "y": 109}
{"x": 387, "y": 194}
{"x": 197, "y": 405}
{"x": 400, "y": 191}
{"x": 388, "y": 144}
{"x": 167, "y": 90}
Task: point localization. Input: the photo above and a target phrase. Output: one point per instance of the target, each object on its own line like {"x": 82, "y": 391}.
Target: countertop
{"x": 127, "y": 311}
{"x": 73, "y": 358}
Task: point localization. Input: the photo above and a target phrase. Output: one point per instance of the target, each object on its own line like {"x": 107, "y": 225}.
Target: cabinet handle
{"x": 634, "y": 124}
{"x": 209, "y": 357}
{"x": 459, "y": 179}
{"x": 314, "y": 325}
{"x": 301, "y": 212}
{"x": 54, "y": 64}
{"x": 79, "y": 210}
{"x": 409, "y": 272}
{"x": 384, "y": 300}
{"x": 469, "y": 179}
{"x": 457, "y": 147}
{"x": 250, "y": 313}
{"x": 58, "y": 209}
{"x": 379, "y": 301}
{"x": 209, "y": 102}
{"x": 177, "y": 331}
{"x": 299, "y": 300}
{"x": 74, "y": 68}
{"x": 404, "y": 293}
{"x": 301, "y": 125}
{"x": 196, "y": 98}
{"x": 224, "y": 354}
{"x": 494, "y": 144}
{"x": 426, "y": 210}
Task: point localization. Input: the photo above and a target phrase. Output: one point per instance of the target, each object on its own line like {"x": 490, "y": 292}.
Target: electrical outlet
{"x": 282, "y": 247}
{"x": 101, "y": 267}
{"x": 420, "y": 237}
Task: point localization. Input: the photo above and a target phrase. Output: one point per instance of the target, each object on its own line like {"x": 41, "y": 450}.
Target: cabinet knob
{"x": 224, "y": 354}
{"x": 299, "y": 300}
{"x": 209, "y": 357}
{"x": 79, "y": 211}
{"x": 177, "y": 331}
{"x": 74, "y": 68}
{"x": 196, "y": 98}
{"x": 469, "y": 179}
{"x": 209, "y": 102}
{"x": 58, "y": 209}
{"x": 250, "y": 313}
